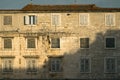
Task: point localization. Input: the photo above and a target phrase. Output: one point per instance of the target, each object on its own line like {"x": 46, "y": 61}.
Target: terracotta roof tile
{"x": 72, "y": 7}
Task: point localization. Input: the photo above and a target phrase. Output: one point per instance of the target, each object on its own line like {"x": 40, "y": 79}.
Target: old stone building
{"x": 60, "y": 42}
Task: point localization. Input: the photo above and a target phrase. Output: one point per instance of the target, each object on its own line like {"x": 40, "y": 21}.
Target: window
{"x": 84, "y": 65}
{"x": 110, "y": 42}
{"x": 31, "y": 43}
{"x": 7, "y": 43}
{"x": 55, "y": 64}
{"x": 110, "y": 65}
{"x": 84, "y": 19}
{"x": 30, "y": 20}
{"x": 110, "y": 19}
{"x": 7, "y": 20}
{"x": 55, "y": 43}
{"x": 56, "y": 19}
{"x": 84, "y": 42}
{"x": 31, "y": 65}
{"x": 7, "y": 65}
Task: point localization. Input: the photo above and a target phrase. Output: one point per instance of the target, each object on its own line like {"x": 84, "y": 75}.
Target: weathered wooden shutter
{"x": 26, "y": 20}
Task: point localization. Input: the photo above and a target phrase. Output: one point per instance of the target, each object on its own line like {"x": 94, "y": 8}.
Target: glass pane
{"x": 55, "y": 65}
{"x": 84, "y": 65}
{"x": 110, "y": 43}
{"x": 7, "y": 65}
{"x": 84, "y": 42}
{"x": 31, "y": 43}
{"x": 7, "y": 43}
{"x": 110, "y": 65}
{"x": 55, "y": 43}
{"x": 31, "y": 65}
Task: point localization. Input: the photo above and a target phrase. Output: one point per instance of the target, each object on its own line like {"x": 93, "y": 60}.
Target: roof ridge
{"x": 59, "y": 4}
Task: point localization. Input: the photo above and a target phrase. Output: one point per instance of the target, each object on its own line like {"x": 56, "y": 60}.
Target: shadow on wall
{"x": 99, "y": 60}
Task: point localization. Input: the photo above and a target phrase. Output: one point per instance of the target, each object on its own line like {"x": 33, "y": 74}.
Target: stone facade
{"x": 69, "y": 32}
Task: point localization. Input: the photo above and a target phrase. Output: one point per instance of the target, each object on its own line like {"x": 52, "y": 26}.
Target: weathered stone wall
{"x": 69, "y": 33}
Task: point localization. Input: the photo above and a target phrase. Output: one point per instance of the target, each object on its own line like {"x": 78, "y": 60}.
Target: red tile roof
{"x": 62, "y": 8}
{"x": 72, "y": 7}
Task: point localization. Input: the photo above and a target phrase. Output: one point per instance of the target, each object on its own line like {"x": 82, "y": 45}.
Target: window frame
{"x": 88, "y": 19}
{"x": 89, "y": 59}
{"x": 59, "y": 23}
{"x": 88, "y": 42}
{"x": 114, "y": 42}
{"x": 57, "y": 44}
{"x": 36, "y": 65}
{"x": 8, "y": 24}
{"x": 27, "y": 42}
{"x": 55, "y": 59}
{"x": 105, "y": 71}
{"x": 114, "y": 17}
{"x": 28, "y": 20}
{"x": 11, "y": 38}
{"x": 12, "y": 64}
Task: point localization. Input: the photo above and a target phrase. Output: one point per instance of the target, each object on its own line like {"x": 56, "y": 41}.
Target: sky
{"x": 18, "y": 4}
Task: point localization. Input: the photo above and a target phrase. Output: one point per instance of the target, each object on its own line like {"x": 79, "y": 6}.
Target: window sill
{"x": 7, "y": 49}
{"x": 54, "y": 72}
{"x": 9, "y": 72}
{"x": 56, "y": 25}
{"x": 110, "y": 48}
{"x": 83, "y": 25}
{"x": 8, "y": 25}
{"x": 31, "y": 48}
{"x": 84, "y": 48}
{"x": 110, "y": 25}
{"x": 110, "y": 72}
{"x": 85, "y": 72}
{"x": 55, "y": 49}
{"x": 29, "y": 25}
{"x": 32, "y": 72}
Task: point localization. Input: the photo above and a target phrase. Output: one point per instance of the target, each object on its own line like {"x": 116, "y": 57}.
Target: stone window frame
{"x": 59, "y": 42}
{"x": 36, "y": 64}
{"x": 85, "y": 57}
{"x": 105, "y": 64}
{"x": 9, "y": 23}
{"x": 12, "y": 64}
{"x": 105, "y": 42}
{"x": 60, "y": 67}
{"x": 27, "y": 21}
{"x": 59, "y": 15}
{"x": 26, "y": 39}
{"x": 12, "y": 44}
{"x": 114, "y": 17}
{"x": 88, "y": 19}
{"x": 80, "y": 42}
